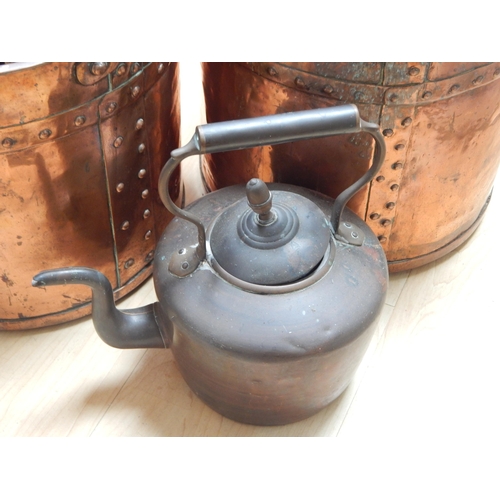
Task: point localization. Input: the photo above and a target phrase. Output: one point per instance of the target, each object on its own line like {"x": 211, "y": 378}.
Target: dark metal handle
{"x": 267, "y": 130}
{"x": 276, "y": 129}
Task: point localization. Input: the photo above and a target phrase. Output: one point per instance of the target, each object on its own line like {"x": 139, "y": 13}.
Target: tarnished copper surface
{"x": 81, "y": 148}
{"x": 441, "y": 125}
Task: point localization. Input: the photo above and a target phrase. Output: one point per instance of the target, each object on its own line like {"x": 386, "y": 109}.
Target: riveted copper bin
{"x": 81, "y": 149}
{"x": 441, "y": 122}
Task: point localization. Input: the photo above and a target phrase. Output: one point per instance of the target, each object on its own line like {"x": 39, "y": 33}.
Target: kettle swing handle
{"x": 269, "y": 130}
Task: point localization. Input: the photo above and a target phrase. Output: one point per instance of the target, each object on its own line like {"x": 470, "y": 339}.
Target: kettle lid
{"x": 270, "y": 238}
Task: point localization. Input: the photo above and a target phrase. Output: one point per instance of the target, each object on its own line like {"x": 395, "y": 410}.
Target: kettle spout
{"x": 127, "y": 329}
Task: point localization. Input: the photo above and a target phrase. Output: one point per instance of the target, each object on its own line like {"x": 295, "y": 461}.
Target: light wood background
{"x": 432, "y": 368}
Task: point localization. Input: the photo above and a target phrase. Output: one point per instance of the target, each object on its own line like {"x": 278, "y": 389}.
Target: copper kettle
{"x": 268, "y": 294}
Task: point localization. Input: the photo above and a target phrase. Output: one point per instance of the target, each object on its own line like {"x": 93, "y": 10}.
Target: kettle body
{"x": 270, "y": 358}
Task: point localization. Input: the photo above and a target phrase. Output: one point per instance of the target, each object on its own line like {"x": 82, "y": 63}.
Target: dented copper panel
{"x": 450, "y": 165}
{"x": 53, "y": 210}
{"x": 129, "y": 173}
{"x": 74, "y": 166}
{"x": 440, "y": 122}
{"x": 161, "y": 108}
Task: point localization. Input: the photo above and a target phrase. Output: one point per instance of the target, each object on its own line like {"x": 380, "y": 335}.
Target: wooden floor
{"x": 432, "y": 368}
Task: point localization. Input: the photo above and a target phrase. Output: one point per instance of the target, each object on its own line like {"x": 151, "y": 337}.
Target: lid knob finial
{"x": 260, "y": 200}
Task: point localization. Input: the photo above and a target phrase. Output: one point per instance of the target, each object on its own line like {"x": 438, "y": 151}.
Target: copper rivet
{"x": 146, "y": 213}
{"x": 8, "y": 142}
{"x": 111, "y": 107}
{"x": 407, "y": 121}
{"x": 119, "y": 187}
{"x": 328, "y": 89}
{"x": 149, "y": 256}
{"x": 80, "y": 120}
{"x": 413, "y": 71}
{"x": 396, "y": 166}
{"x": 399, "y": 147}
{"x": 142, "y": 173}
{"x": 393, "y": 98}
{"x": 134, "y": 91}
{"x": 388, "y": 132}
{"x": 271, "y": 71}
{"x": 145, "y": 193}
{"x": 148, "y": 235}
{"x": 99, "y": 68}
{"x": 390, "y": 205}
{"x": 453, "y": 88}
{"x": 45, "y": 133}
{"x": 184, "y": 265}
{"x": 118, "y": 142}
{"x": 374, "y": 216}
{"x": 477, "y": 80}
{"x": 385, "y": 222}
{"x": 382, "y": 239}
{"x": 139, "y": 123}
{"x": 160, "y": 67}
{"x": 426, "y": 95}
{"x": 394, "y": 187}
{"x": 134, "y": 68}
{"x": 141, "y": 148}
{"x": 125, "y": 225}
{"x": 129, "y": 263}
{"x": 497, "y": 72}
{"x": 299, "y": 82}
{"x": 121, "y": 69}
{"x": 380, "y": 178}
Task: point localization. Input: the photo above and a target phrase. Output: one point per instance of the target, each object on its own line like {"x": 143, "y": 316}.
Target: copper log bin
{"x": 81, "y": 149}
{"x": 441, "y": 122}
